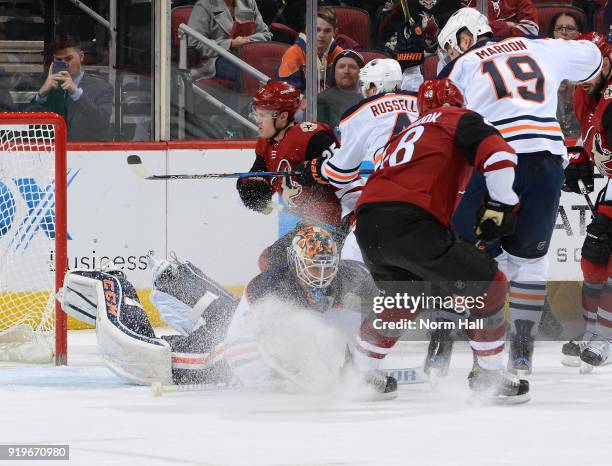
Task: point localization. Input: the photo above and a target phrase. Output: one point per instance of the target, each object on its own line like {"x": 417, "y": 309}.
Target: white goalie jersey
{"x": 365, "y": 129}
{"x": 513, "y": 83}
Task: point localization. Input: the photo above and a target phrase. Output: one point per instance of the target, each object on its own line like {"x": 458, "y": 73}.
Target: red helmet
{"x": 599, "y": 41}
{"x": 434, "y": 93}
{"x": 279, "y": 96}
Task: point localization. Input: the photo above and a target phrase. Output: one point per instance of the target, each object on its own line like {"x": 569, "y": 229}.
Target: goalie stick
{"x": 405, "y": 376}
{"x": 138, "y": 168}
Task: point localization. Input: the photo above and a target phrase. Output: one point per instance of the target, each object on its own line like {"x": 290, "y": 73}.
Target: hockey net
{"x": 33, "y": 237}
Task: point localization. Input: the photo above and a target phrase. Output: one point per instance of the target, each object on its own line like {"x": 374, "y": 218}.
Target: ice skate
{"x": 498, "y": 386}
{"x": 521, "y": 349}
{"x": 596, "y": 353}
{"x": 384, "y": 387}
{"x": 572, "y": 349}
{"x": 549, "y": 325}
{"x": 439, "y": 353}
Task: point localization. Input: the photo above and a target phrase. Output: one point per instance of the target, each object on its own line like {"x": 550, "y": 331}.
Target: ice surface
{"x": 108, "y": 422}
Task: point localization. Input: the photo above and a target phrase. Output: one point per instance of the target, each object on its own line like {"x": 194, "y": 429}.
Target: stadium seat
{"x": 599, "y": 21}
{"x": 264, "y": 56}
{"x": 370, "y": 54}
{"x": 283, "y": 33}
{"x": 430, "y": 67}
{"x": 546, "y": 12}
{"x": 179, "y": 15}
{"x": 355, "y": 23}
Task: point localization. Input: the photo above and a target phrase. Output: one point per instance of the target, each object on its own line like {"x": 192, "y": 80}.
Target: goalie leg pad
{"x": 125, "y": 337}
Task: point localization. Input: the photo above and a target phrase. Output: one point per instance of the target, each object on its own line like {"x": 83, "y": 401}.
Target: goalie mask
{"x": 314, "y": 255}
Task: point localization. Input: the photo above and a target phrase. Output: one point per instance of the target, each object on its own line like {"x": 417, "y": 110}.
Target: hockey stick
{"x": 138, "y": 168}
{"x": 135, "y": 163}
{"x": 585, "y": 193}
{"x": 404, "y": 376}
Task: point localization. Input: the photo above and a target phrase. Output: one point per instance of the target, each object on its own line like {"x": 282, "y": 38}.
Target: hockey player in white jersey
{"x": 365, "y": 128}
{"x": 513, "y": 83}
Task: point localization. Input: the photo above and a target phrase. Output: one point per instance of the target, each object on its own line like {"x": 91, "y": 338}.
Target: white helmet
{"x": 465, "y": 18}
{"x": 384, "y": 73}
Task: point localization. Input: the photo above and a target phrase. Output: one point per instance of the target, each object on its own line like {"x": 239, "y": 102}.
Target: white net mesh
{"x": 27, "y": 245}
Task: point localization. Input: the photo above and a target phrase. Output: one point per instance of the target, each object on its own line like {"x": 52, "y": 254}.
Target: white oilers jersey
{"x": 365, "y": 129}
{"x": 513, "y": 83}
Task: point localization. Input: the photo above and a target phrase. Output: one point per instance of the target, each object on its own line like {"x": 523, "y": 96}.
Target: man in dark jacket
{"x": 85, "y": 101}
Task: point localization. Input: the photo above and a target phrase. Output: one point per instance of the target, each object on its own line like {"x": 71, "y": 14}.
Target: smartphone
{"x": 58, "y": 66}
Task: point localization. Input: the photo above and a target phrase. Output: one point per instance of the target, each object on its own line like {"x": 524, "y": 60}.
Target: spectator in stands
{"x": 84, "y": 101}
{"x": 293, "y": 63}
{"x": 222, "y": 21}
{"x": 6, "y": 101}
{"x": 333, "y": 102}
{"x": 509, "y": 18}
{"x": 566, "y": 25}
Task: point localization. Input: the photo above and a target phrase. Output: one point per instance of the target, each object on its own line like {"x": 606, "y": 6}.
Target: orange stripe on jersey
{"x": 511, "y": 129}
{"x": 334, "y": 175}
{"x": 229, "y": 355}
{"x": 529, "y": 297}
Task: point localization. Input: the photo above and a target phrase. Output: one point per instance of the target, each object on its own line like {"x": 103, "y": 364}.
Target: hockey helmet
{"x": 434, "y": 93}
{"x": 314, "y": 255}
{"x": 278, "y": 96}
{"x": 469, "y": 19}
{"x": 384, "y": 73}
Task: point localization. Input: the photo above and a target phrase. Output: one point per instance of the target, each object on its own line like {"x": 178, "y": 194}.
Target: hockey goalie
{"x": 289, "y": 331}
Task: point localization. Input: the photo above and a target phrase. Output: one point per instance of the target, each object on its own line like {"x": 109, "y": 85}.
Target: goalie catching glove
{"x": 580, "y": 168}
{"x": 495, "y": 220}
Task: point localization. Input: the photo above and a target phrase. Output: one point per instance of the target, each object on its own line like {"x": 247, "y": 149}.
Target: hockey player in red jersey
{"x": 593, "y": 110}
{"x": 403, "y": 230}
{"x": 282, "y": 144}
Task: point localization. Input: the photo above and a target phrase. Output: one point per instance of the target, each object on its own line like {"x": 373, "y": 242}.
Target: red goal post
{"x": 33, "y": 235}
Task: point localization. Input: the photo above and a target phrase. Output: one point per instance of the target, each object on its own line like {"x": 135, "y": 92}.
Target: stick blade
{"x": 137, "y": 167}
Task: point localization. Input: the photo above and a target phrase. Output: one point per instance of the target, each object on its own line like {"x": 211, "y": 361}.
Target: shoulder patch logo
{"x": 608, "y": 92}
{"x": 308, "y": 127}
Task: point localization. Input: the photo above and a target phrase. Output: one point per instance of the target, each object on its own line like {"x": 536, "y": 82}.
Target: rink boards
{"x": 116, "y": 218}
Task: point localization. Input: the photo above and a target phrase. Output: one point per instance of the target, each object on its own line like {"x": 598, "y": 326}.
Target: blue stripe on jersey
{"x": 525, "y": 117}
{"x": 596, "y": 70}
{"x": 342, "y": 170}
{"x": 534, "y": 136}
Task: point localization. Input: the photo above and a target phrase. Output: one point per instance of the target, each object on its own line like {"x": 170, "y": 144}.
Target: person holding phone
{"x": 83, "y": 100}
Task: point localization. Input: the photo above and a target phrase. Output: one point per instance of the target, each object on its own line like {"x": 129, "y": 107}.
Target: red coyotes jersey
{"x": 594, "y": 115}
{"x": 303, "y": 141}
{"x": 431, "y": 161}
{"x": 522, "y": 13}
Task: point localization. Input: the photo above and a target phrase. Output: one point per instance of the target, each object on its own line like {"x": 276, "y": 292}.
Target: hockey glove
{"x": 255, "y": 194}
{"x": 579, "y": 168}
{"x": 495, "y": 220}
{"x": 310, "y": 172}
{"x": 596, "y": 247}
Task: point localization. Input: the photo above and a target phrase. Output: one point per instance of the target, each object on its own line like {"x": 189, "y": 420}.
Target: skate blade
{"x": 484, "y": 399}
{"x": 571, "y": 361}
{"x": 586, "y": 368}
